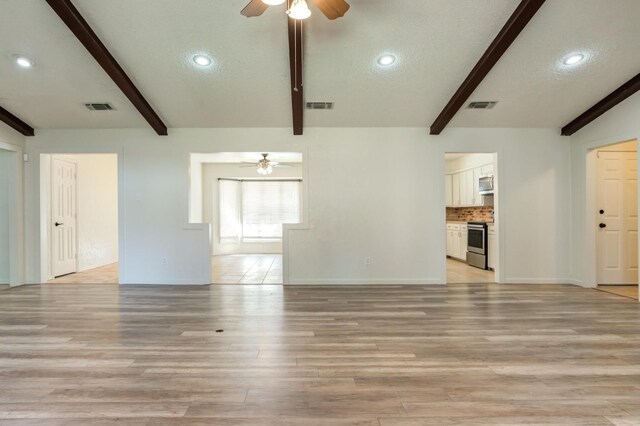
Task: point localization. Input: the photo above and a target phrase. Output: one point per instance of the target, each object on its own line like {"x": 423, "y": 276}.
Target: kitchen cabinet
{"x": 455, "y": 180}
{"x": 448, "y": 189}
{"x": 477, "y": 198}
{"x": 450, "y": 232}
{"x": 457, "y": 241}
{"x": 462, "y": 188}
{"x": 492, "y": 246}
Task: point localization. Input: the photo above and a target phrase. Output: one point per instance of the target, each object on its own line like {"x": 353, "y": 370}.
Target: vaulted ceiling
{"x": 436, "y": 42}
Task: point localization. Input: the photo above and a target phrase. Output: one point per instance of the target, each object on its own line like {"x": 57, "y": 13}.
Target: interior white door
{"x": 617, "y": 217}
{"x": 63, "y": 217}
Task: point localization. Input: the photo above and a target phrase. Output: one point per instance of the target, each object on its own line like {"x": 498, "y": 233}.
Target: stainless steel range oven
{"x": 477, "y": 244}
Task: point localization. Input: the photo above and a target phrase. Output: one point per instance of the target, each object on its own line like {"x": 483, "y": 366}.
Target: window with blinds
{"x": 256, "y": 210}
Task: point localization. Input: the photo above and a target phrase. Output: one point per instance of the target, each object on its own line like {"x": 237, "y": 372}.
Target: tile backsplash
{"x": 470, "y": 214}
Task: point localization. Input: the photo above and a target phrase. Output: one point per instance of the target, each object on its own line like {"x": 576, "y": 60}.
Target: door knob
{"x": 601, "y": 211}
{"x": 58, "y": 223}
{"x": 602, "y": 225}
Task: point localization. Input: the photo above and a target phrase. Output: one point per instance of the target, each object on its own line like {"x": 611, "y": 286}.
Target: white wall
{"x": 620, "y": 124}
{"x": 4, "y": 217}
{"x": 211, "y": 203}
{"x": 97, "y": 208}
{"x": 370, "y": 192}
{"x": 469, "y": 161}
{"x": 195, "y": 194}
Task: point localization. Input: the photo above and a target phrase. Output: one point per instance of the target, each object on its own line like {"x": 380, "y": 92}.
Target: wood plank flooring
{"x": 342, "y": 355}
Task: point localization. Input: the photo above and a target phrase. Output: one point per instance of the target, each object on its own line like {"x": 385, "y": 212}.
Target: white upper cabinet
{"x": 448, "y": 189}
{"x": 477, "y": 198}
{"x": 462, "y": 188}
{"x": 455, "y": 179}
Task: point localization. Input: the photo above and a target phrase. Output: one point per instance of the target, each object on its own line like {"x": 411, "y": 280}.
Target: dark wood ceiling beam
{"x": 296, "y": 39}
{"x": 15, "y": 123}
{"x": 613, "y": 99}
{"x": 516, "y": 23}
{"x": 78, "y": 26}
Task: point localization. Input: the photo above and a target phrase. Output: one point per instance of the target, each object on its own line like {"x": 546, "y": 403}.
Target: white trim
{"x": 588, "y": 152}
{"x": 347, "y": 281}
{"x": 44, "y": 262}
{"x": 497, "y": 208}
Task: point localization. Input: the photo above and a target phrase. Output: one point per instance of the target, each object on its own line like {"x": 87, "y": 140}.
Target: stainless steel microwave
{"x": 486, "y": 185}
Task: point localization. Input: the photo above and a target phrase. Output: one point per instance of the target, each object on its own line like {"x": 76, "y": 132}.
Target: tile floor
{"x": 630, "y": 291}
{"x": 247, "y": 269}
{"x": 4, "y": 287}
{"x": 460, "y": 273}
{"x": 232, "y": 269}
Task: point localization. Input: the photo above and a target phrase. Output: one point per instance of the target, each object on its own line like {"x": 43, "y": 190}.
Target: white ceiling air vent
{"x": 482, "y": 105}
{"x": 99, "y": 106}
{"x": 319, "y": 105}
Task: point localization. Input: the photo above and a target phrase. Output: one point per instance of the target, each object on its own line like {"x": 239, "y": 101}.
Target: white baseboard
{"x": 347, "y": 281}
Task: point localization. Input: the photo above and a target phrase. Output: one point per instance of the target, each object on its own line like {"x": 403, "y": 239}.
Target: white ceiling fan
{"x": 264, "y": 166}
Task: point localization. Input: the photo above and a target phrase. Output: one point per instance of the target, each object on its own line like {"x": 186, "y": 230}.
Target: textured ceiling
{"x": 437, "y": 42}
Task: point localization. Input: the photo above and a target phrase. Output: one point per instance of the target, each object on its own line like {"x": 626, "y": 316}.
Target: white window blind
{"x": 259, "y": 208}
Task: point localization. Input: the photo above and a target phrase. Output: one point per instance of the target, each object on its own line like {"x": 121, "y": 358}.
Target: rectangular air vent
{"x": 99, "y": 106}
{"x": 482, "y": 105}
{"x": 319, "y": 105}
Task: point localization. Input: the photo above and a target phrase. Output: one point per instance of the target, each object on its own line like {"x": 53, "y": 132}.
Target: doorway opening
{"x": 614, "y": 217}
{"x": 246, "y": 197}
{"x": 471, "y": 186}
{"x": 79, "y": 218}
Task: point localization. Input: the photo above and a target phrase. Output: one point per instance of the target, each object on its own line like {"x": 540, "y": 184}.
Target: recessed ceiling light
{"x": 573, "y": 59}
{"x": 24, "y": 62}
{"x": 273, "y": 2}
{"x": 202, "y": 60}
{"x": 386, "y": 60}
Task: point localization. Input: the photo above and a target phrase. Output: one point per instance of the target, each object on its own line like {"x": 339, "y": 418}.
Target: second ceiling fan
{"x": 298, "y": 9}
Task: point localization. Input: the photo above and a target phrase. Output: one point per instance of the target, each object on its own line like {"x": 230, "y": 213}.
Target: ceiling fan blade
{"x": 282, "y": 165}
{"x": 254, "y": 8}
{"x": 248, "y": 162}
{"x": 333, "y": 9}
{"x": 249, "y": 165}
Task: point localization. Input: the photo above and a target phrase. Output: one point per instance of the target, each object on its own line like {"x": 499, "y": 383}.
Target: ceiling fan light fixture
{"x": 265, "y": 169}
{"x": 299, "y": 10}
{"x": 273, "y": 2}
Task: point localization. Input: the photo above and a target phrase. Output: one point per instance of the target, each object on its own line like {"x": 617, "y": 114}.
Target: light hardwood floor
{"x": 247, "y": 269}
{"x": 460, "y": 273}
{"x": 342, "y": 355}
